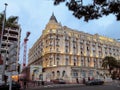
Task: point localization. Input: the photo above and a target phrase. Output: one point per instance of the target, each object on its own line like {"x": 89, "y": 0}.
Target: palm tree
{"x": 109, "y": 63}
{"x": 11, "y": 22}
{"x": 1, "y": 19}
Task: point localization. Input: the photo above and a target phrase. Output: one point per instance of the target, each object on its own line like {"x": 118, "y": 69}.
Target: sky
{"x": 35, "y": 14}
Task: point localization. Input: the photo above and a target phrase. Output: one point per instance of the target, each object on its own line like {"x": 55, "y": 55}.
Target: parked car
{"x": 94, "y": 82}
{"x": 59, "y": 81}
{"x": 2, "y": 85}
{"x": 15, "y": 86}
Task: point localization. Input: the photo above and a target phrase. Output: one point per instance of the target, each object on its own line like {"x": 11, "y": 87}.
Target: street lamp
{"x": 3, "y": 27}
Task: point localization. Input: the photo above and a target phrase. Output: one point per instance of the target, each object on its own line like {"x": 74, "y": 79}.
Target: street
{"x": 77, "y": 87}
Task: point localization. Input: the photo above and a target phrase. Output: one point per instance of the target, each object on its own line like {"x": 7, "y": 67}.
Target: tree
{"x": 118, "y": 69}
{"x": 11, "y": 22}
{"x": 109, "y": 62}
{"x": 112, "y": 65}
{"x": 1, "y": 19}
{"x": 95, "y": 10}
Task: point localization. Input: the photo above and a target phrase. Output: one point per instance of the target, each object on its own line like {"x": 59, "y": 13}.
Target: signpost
{"x": 1, "y": 68}
{"x": 12, "y": 61}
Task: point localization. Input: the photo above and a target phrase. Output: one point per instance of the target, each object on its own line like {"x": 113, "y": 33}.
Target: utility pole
{"x": 3, "y": 27}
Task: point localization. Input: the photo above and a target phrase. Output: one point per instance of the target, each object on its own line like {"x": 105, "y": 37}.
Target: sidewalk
{"x": 52, "y": 85}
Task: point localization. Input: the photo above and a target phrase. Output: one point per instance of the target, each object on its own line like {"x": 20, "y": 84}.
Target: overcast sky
{"x": 35, "y": 14}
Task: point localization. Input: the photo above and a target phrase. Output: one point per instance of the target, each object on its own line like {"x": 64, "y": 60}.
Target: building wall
{"x": 82, "y": 53}
{"x": 10, "y": 36}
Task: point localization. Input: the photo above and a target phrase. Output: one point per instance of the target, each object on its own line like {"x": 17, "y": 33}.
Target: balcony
{"x": 12, "y": 60}
{"x": 57, "y": 45}
{"x": 14, "y": 30}
{"x": 81, "y": 42}
{"x": 50, "y": 37}
{"x": 66, "y": 38}
{"x": 57, "y": 38}
{"x": 13, "y": 35}
{"x": 66, "y": 46}
{"x": 13, "y": 67}
{"x": 50, "y": 44}
{"x": 58, "y": 58}
{"x": 74, "y": 40}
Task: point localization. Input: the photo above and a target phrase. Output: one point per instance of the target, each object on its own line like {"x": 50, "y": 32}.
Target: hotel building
{"x": 69, "y": 54}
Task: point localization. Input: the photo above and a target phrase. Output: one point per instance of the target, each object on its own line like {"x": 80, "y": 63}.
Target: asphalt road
{"x": 78, "y": 87}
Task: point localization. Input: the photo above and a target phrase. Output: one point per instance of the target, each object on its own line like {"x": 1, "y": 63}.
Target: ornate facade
{"x": 70, "y": 54}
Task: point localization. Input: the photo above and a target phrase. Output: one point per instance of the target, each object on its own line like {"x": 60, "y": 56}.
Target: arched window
{"x": 53, "y": 73}
{"x": 58, "y": 73}
{"x": 63, "y": 73}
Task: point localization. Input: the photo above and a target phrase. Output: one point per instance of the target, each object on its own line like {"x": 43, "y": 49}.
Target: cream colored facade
{"x": 70, "y": 54}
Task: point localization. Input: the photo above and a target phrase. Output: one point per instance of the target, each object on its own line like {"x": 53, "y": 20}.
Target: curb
{"x": 54, "y": 85}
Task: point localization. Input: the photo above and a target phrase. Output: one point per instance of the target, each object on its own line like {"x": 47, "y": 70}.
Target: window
{"x": 50, "y": 62}
{"x": 65, "y": 32}
{"x": 83, "y": 73}
{"x": 91, "y": 73}
{"x": 50, "y": 49}
{"x": 57, "y": 62}
{"x": 75, "y": 62}
{"x": 57, "y": 37}
{"x": 58, "y": 73}
{"x": 57, "y": 43}
{"x": 82, "y": 62}
{"x": 75, "y": 73}
{"x": 95, "y": 63}
{"x": 53, "y": 73}
{"x": 57, "y": 49}
{"x": 87, "y": 48}
{"x": 63, "y": 73}
{"x": 66, "y": 50}
{"x": 66, "y": 61}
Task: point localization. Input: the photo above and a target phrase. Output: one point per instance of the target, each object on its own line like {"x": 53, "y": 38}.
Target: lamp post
{"x": 12, "y": 61}
{"x": 3, "y": 27}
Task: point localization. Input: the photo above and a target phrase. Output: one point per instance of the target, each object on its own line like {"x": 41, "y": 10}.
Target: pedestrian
{"x": 88, "y": 78}
{"x": 77, "y": 80}
{"x": 25, "y": 84}
{"x": 43, "y": 83}
{"x": 84, "y": 81}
